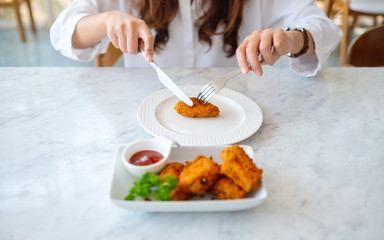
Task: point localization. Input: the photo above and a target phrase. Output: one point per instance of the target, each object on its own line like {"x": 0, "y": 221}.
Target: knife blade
{"x": 167, "y": 81}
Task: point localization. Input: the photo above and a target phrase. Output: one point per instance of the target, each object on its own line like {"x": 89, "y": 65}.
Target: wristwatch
{"x": 306, "y": 42}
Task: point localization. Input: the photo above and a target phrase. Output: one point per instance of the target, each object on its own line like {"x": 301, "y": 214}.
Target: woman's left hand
{"x": 261, "y": 42}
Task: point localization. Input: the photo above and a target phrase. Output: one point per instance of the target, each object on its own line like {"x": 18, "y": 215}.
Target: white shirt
{"x": 184, "y": 49}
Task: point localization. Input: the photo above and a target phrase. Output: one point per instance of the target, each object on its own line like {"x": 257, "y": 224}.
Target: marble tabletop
{"x": 321, "y": 146}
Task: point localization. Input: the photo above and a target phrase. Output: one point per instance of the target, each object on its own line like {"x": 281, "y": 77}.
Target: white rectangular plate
{"x": 122, "y": 181}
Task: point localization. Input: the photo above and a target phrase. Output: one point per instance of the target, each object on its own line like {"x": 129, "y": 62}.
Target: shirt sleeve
{"x": 63, "y": 28}
{"x": 326, "y": 34}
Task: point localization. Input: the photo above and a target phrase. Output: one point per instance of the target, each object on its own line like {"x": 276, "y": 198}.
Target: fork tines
{"x": 206, "y": 93}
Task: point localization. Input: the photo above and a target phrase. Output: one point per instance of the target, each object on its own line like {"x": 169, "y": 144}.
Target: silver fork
{"x": 213, "y": 87}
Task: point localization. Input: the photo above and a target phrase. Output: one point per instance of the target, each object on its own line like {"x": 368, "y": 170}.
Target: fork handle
{"x": 235, "y": 74}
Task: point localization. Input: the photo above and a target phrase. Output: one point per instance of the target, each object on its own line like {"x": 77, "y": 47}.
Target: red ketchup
{"x": 146, "y": 157}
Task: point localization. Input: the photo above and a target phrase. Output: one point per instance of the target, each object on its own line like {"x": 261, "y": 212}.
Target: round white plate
{"x": 239, "y": 118}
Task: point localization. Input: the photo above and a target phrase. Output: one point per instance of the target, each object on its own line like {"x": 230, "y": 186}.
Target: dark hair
{"x": 226, "y": 14}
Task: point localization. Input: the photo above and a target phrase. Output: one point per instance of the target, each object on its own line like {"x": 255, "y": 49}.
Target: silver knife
{"x": 169, "y": 83}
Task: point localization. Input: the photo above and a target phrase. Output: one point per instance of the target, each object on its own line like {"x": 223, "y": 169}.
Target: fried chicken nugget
{"x": 197, "y": 110}
{"x": 199, "y": 175}
{"x": 174, "y": 169}
{"x": 240, "y": 168}
{"x": 225, "y": 188}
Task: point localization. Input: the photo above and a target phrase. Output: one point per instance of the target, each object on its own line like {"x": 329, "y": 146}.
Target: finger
{"x": 280, "y": 42}
{"x": 121, "y": 39}
{"x": 242, "y": 57}
{"x": 114, "y": 40}
{"x": 132, "y": 44}
{"x": 252, "y": 51}
{"x": 275, "y": 57}
{"x": 265, "y": 46}
{"x": 132, "y": 39}
{"x": 148, "y": 42}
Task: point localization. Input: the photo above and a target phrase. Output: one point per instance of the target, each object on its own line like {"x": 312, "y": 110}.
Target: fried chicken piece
{"x": 240, "y": 168}
{"x": 197, "y": 110}
{"x": 174, "y": 169}
{"x": 199, "y": 175}
{"x": 178, "y": 195}
{"x": 225, "y": 188}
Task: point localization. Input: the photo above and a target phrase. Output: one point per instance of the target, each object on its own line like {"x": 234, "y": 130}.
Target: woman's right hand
{"x": 125, "y": 31}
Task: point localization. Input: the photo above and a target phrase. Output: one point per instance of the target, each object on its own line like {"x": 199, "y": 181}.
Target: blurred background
{"x": 34, "y": 49}
{"x": 37, "y": 49}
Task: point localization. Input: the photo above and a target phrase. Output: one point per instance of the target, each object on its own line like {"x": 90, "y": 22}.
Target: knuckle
{"x": 277, "y": 44}
{"x": 140, "y": 22}
{"x": 149, "y": 51}
{"x": 263, "y": 48}
{"x": 121, "y": 26}
{"x": 256, "y": 33}
{"x": 109, "y": 32}
{"x": 238, "y": 50}
{"x": 267, "y": 30}
{"x": 118, "y": 28}
{"x": 150, "y": 38}
{"x": 252, "y": 49}
{"x": 129, "y": 25}
{"x": 246, "y": 39}
{"x": 279, "y": 30}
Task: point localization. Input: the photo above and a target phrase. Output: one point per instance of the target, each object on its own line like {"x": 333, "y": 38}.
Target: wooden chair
{"x": 109, "y": 58}
{"x": 367, "y": 50}
{"x": 15, "y": 4}
{"x": 354, "y": 9}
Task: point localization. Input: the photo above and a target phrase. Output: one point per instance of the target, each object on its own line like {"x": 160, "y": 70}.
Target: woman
{"x": 199, "y": 33}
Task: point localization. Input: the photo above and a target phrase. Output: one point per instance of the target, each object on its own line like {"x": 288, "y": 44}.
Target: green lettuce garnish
{"x": 150, "y": 184}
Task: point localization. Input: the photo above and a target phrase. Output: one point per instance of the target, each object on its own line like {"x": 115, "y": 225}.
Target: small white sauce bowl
{"x": 162, "y": 145}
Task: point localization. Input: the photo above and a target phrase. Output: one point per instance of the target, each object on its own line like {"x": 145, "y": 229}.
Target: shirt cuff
{"x": 83, "y": 55}
{"x": 308, "y": 66}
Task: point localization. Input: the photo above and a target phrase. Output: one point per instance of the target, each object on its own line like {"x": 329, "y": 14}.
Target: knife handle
{"x": 152, "y": 63}
{"x": 142, "y": 52}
